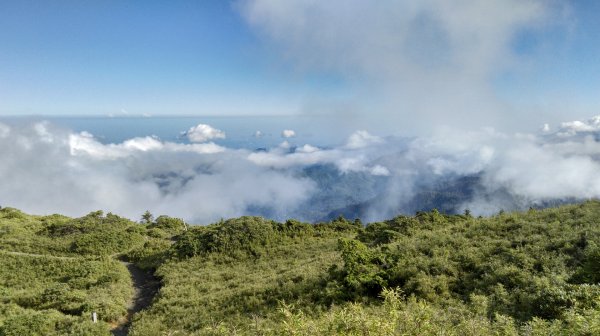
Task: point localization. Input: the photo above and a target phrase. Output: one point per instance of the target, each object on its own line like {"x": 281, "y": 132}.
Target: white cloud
{"x": 307, "y": 149}
{"x": 41, "y": 128}
{"x": 353, "y": 157}
{"x": 545, "y": 128}
{"x": 203, "y": 133}
{"x": 413, "y": 63}
{"x": 276, "y": 158}
{"x": 284, "y": 146}
{"x": 288, "y": 133}
{"x": 85, "y": 143}
{"x": 4, "y": 130}
{"x": 571, "y": 128}
{"x": 539, "y": 173}
{"x": 48, "y": 170}
{"x": 379, "y": 171}
{"x": 361, "y": 139}
{"x": 74, "y": 174}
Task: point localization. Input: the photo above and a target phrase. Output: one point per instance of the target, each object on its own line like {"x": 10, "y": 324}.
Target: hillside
{"x": 530, "y": 273}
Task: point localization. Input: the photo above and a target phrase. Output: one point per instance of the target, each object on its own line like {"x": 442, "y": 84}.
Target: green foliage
{"x": 62, "y": 297}
{"x": 55, "y": 271}
{"x": 93, "y": 234}
{"x": 238, "y": 237}
{"x": 147, "y": 217}
{"x": 590, "y": 268}
{"x": 105, "y": 235}
{"x": 12, "y": 213}
{"x": 150, "y": 255}
{"x": 17, "y": 321}
{"x": 398, "y": 315}
{"x": 378, "y": 233}
{"x": 70, "y": 285}
{"x": 526, "y": 265}
{"x": 341, "y": 224}
{"x": 362, "y": 273}
{"x": 168, "y": 224}
{"x": 532, "y": 273}
{"x": 214, "y": 287}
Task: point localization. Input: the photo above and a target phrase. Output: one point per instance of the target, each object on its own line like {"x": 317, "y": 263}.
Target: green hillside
{"x": 531, "y": 273}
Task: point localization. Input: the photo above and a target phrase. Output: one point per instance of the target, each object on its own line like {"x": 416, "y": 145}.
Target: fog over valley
{"x": 49, "y": 169}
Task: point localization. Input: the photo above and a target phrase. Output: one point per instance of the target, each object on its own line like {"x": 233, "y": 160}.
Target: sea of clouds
{"x": 47, "y": 169}
{"x": 408, "y": 66}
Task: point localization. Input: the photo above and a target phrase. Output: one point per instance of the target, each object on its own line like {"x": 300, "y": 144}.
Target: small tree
{"x": 147, "y": 217}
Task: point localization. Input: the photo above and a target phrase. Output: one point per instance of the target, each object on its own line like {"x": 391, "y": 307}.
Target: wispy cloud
{"x": 416, "y": 63}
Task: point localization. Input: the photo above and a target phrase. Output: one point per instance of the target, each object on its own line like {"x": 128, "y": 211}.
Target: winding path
{"x": 146, "y": 286}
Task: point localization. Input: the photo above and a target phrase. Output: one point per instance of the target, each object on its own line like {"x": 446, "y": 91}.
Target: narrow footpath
{"x": 146, "y": 287}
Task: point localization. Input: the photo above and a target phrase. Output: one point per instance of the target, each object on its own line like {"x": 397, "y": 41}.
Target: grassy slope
{"x": 203, "y": 292}
{"x": 511, "y": 274}
{"x": 532, "y": 273}
{"x": 55, "y": 271}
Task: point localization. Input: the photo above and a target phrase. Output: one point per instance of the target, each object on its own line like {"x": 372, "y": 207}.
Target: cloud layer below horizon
{"x": 46, "y": 169}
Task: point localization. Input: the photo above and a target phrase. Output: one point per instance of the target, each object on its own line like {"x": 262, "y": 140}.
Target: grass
{"x": 55, "y": 271}
{"x": 237, "y": 292}
{"x": 529, "y": 273}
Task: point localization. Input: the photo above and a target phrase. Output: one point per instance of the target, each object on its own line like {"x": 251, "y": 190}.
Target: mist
{"x": 48, "y": 169}
{"x": 412, "y": 66}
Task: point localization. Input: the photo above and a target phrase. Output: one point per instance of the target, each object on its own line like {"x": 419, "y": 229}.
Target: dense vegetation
{"x": 55, "y": 271}
{"x": 532, "y": 273}
{"x": 91, "y": 235}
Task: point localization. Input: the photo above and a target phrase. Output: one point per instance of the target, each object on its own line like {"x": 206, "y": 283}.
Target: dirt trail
{"x": 146, "y": 287}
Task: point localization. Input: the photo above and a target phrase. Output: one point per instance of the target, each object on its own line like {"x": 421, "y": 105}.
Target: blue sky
{"x": 155, "y": 57}
{"x": 217, "y": 57}
{"x": 564, "y": 58}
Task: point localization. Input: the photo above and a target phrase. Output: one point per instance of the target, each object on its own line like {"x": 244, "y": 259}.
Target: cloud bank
{"x": 49, "y": 170}
{"x": 46, "y": 169}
